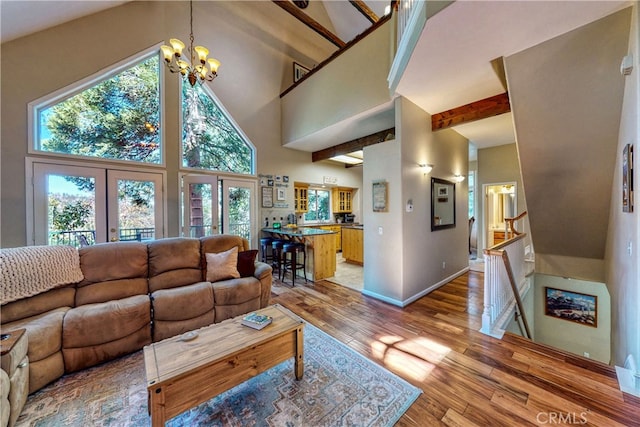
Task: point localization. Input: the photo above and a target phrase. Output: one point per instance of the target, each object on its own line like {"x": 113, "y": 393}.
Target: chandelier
{"x": 197, "y": 70}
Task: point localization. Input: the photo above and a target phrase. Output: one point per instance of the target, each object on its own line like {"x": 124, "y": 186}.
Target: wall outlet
{"x": 380, "y": 231}
{"x": 444, "y": 265}
{"x": 586, "y": 354}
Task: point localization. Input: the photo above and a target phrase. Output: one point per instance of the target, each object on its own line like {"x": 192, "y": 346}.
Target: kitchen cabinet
{"x": 301, "y": 197}
{"x": 353, "y": 245}
{"x": 342, "y": 200}
{"x": 338, "y": 230}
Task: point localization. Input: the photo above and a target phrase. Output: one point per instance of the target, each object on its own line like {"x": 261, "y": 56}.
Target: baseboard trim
{"x": 406, "y": 302}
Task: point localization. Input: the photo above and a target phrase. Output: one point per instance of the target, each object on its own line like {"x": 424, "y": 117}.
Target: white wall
{"x": 405, "y": 262}
{"x": 622, "y": 271}
{"x": 253, "y": 41}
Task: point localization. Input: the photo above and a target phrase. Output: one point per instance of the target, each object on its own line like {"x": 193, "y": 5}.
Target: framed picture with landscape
{"x": 571, "y": 306}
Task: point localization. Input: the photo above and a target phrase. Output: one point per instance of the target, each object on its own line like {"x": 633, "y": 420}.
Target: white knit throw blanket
{"x": 31, "y": 270}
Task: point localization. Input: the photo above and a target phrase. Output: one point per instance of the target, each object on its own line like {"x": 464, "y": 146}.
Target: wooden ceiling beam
{"x": 488, "y": 107}
{"x": 309, "y": 22}
{"x": 365, "y": 10}
{"x": 351, "y": 146}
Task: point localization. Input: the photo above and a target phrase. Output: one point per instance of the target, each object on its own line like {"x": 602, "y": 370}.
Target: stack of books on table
{"x": 256, "y": 321}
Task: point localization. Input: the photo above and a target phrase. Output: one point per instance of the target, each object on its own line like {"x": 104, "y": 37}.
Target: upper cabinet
{"x": 301, "y": 197}
{"x": 342, "y": 200}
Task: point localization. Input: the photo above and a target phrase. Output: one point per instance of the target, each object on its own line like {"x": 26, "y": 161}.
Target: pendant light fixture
{"x": 197, "y": 70}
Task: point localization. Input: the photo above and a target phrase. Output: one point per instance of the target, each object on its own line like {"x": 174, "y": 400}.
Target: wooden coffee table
{"x": 183, "y": 373}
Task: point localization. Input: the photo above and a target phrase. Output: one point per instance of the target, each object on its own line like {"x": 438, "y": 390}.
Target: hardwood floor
{"x": 467, "y": 378}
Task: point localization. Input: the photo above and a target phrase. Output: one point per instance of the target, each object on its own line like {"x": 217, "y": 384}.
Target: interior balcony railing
{"x": 506, "y": 282}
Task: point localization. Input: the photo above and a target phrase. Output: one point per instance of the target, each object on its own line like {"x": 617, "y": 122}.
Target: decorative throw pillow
{"x": 246, "y": 262}
{"x": 223, "y": 265}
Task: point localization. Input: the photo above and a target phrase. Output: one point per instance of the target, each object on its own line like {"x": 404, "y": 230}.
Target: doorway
{"x": 81, "y": 205}
{"x": 500, "y": 202}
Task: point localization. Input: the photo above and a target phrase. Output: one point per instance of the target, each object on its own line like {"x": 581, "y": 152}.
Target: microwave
{"x": 349, "y": 217}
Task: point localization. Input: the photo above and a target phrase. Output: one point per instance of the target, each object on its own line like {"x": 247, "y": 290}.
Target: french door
{"x": 212, "y": 205}
{"x": 78, "y": 205}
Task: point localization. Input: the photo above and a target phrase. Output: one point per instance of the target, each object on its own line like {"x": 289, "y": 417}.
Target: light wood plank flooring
{"x": 467, "y": 378}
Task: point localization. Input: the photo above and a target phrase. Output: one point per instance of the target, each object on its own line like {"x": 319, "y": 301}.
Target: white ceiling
{"x": 451, "y": 64}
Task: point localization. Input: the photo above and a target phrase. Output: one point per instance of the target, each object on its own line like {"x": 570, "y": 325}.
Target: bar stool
{"x": 266, "y": 249}
{"x": 276, "y": 254}
{"x": 292, "y": 262}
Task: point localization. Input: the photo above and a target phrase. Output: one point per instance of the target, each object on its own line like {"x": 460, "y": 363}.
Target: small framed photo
{"x": 270, "y": 182}
{"x": 299, "y": 71}
{"x": 280, "y": 194}
{"x": 443, "y": 192}
{"x": 285, "y": 178}
{"x": 571, "y": 306}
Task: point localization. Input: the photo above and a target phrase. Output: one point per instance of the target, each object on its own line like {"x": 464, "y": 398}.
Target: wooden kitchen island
{"x": 320, "y": 246}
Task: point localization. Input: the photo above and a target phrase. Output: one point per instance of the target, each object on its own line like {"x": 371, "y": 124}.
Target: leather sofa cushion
{"x": 174, "y": 262}
{"x": 38, "y": 304}
{"x": 113, "y": 261}
{"x": 112, "y": 271}
{"x": 111, "y": 290}
{"x": 236, "y": 291}
{"x": 185, "y": 302}
{"x": 44, "y": 332}
{"x": 79, "y": 358}
{"x": 94, "y": 324}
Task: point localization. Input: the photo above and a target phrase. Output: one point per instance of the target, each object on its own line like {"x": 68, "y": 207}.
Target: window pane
{"x": 209, "y": 139}
{"x": 71, "y": 214}
{"x": 136, "y": 207}
{"x": 319, "y": 205}
{"x": 118, "y": 118}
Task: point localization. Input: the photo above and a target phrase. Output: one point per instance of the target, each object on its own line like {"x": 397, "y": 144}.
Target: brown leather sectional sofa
{"x": 133, "y": 293}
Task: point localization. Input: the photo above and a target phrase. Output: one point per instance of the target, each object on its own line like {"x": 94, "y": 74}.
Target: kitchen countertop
{"x": 298, "y": 231}
{"x": 354, "y": 226}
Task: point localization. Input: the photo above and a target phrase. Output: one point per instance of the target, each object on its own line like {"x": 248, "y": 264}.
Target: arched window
{"x": 210, "y": 138}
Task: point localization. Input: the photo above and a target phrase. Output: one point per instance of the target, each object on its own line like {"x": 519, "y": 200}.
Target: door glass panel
{"x": 200, "y": 215}
{"x": 238, "y": 209}
{"x": 136, "y": 208}
{"x": 71, "y": 214}
{"x": 240, "y": 212}
{"x": 68, "y": 208}
{"x": 199, "y": 205}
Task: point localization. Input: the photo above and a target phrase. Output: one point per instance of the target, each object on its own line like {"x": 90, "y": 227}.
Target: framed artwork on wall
{"x": 267, "y": 197}
{"x": 627, "y": 178}
{"x": 299, "y": 71}
{"x": 380, "y": 196}
{"x": 571, "y": 306}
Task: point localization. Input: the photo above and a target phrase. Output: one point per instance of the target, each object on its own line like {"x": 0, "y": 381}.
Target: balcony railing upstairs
{"x": 506, "y": 281}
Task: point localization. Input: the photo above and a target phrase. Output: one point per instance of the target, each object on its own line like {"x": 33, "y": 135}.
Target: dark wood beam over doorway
{"x": 309, "y": 22}
{"x": 351, "y": 146}
{"x": 488, "y": 107}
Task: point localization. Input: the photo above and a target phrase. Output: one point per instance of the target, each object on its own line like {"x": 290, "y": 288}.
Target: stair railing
{"x": 505, "y": 280}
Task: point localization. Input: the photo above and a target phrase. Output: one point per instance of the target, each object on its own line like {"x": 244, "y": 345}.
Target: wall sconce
{"x": 458, "y": 178}
{"x": 426, "y": 168}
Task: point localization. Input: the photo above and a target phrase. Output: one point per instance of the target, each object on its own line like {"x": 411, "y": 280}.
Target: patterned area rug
{"x": 340, "y": 387}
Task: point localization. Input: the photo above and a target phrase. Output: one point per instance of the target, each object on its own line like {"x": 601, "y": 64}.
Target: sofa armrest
{"x": 264, "y": 274}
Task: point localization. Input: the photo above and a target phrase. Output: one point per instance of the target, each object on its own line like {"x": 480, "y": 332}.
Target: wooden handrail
{"x": 510, "y": 222}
